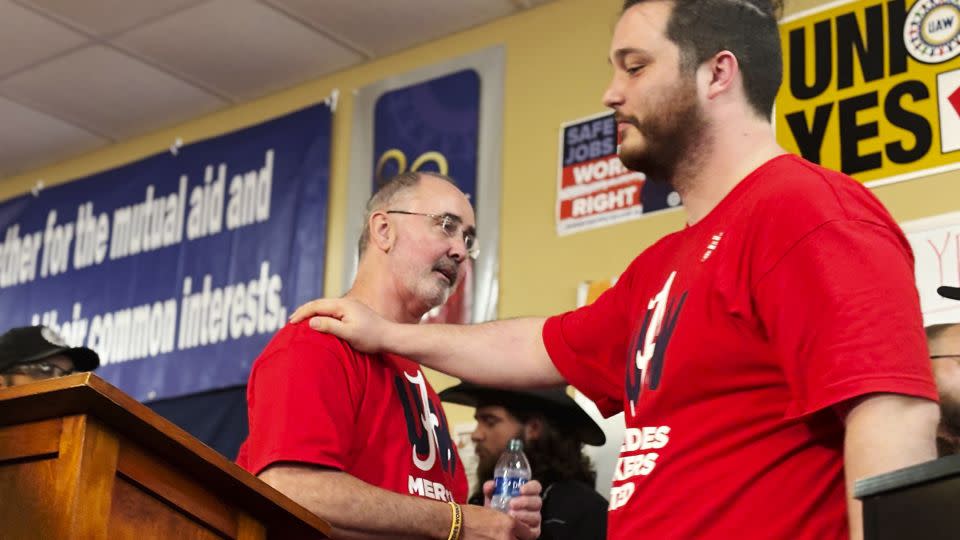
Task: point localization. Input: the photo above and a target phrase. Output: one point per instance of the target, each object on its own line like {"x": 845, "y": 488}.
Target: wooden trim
{"x": 176, "y": 489}
{"x": 249, "y": 528}
{"x": 87, "y": 468}
{"x": 30, "y": 440}
{"x": 87, "y": 394}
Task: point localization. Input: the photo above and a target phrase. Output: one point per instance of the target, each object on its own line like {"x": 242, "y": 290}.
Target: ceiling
{"x": 76, "y": 75}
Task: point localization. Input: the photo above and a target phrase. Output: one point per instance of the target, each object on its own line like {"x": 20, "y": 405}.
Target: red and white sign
{"x": 594, "y": 189}
{"x": 948, "y": 89}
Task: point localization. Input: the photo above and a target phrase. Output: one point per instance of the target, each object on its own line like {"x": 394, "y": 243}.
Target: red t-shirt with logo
{"x": 728, "y": 343}
{"x": 313, "y": 399}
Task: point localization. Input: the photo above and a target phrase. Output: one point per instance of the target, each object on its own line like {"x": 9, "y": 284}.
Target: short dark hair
{"x": 387, "y": 193}
{"x": 746, "y": 28}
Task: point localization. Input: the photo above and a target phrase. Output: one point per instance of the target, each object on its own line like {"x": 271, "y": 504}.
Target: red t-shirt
{"x": 727, "y": 343}
{"x": 313, "y": 399}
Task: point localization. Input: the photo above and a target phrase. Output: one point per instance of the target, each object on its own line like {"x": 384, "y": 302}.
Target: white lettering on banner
{"x": 132, "y": 333}
{"x": 93, "y": 234}
{"x": 603, "y": 202}
{"x": 599, "y": 170}
{"x": 155, "y": 222}
{"x": 148, "y": 330}
{"x": 56, "y": 246}
{"x": 19, "y": 256}
{"x": 250, "y": 196}
{"x": 206, "y": 204}
{"x": 427, "y": 488}
{"x": 149, "y": 225}
{"x": 74, "y": 331}
{"x": 241, "y": 310}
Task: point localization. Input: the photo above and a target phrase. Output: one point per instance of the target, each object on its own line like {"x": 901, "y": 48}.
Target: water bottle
{"x": 513, "y": 471}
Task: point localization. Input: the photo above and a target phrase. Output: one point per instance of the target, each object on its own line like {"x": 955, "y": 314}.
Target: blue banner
{"x": 178, "y": 268}
{"x": 430, "y": 126}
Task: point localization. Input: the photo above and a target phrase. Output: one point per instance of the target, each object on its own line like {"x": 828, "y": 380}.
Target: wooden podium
{"x": 81, "y": 459}
{"x": 917, "y": 502}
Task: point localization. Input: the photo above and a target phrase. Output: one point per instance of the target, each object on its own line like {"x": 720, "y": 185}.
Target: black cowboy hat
{"x": 554, "y": 403}
{"x": 953, "y": 293}
{"x": 33, "y": 343}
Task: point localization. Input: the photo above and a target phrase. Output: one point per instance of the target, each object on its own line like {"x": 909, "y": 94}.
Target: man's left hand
{"x": 525, "y": 508}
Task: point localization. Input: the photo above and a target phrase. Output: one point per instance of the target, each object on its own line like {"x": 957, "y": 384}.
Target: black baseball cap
{"x": 552, "y": 402}
{"x": 34, "y": 343}
{"x": 953, "y": 293}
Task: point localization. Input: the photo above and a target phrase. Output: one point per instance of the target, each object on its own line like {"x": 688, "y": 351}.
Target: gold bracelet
{"x": 456, "y": 524}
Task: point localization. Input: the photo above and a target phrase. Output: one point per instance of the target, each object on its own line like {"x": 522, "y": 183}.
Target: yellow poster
{"x": 872, "y": 88}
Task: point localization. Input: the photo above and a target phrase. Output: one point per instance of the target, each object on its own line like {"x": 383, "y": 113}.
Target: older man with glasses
{"x": 351, "y": 436}
{"x": 36, "y": 353}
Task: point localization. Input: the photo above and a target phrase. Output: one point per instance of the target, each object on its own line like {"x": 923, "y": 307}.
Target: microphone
{"x": 953, "y": 293}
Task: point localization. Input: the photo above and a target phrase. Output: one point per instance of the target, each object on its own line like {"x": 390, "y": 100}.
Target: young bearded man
{"x": 351, "y": 436}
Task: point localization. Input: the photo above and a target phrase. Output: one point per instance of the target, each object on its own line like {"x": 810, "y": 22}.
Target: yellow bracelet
{"x": 456, "y": 525}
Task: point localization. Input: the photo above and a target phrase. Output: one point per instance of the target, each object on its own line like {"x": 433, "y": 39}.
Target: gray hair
{"x": 387, "y": 194}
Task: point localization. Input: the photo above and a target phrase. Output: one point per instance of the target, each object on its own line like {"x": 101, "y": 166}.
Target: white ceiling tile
{"x": 27, "y": 38}
{"x": 239, "y": 47}
{"x": 108, "y": 92}
{"x": 387, "y": 27}
{"x": 103, "y": 17}
{"x": 29, "y": 139}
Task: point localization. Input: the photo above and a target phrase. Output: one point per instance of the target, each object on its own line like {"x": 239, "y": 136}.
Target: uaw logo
{"x": 932, "y": 31}
{"x": 650, "y": 343}
{"x": 427, "y": 426}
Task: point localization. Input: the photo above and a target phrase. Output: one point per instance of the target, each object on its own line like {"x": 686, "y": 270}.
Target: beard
{"x": 434, "y": 292}
{"x": 670, "y": 136}
{"x": 950, "y": 414}
{"x": 948, "y": 437}
{"x": 485, "y": 468}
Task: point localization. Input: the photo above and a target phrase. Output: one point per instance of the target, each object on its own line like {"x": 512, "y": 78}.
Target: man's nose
{"x": 458, "y": 249}
{"x": 613, "y": 95}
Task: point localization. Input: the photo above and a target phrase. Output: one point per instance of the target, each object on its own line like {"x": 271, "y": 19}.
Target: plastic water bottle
{"x": 513, "y": 471}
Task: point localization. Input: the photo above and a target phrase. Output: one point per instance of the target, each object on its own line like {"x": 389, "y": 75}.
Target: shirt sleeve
{"x": 302, "y": 402}
{"x": 589, "y": 346}
{"x": 843, "y": 314}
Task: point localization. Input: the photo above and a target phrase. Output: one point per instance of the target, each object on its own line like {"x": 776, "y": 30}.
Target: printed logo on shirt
{"x": 714, "y": 242}
{"x": 429, "y": 435}
{"x": 647, "y": 440}
{"x": 650, "y": 343}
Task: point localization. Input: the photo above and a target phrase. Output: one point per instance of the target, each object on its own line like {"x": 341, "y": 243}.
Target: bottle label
{"x": 509, "y": 487}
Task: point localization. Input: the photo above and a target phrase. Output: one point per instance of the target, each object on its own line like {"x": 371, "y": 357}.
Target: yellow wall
{"x": 555, "y": 72}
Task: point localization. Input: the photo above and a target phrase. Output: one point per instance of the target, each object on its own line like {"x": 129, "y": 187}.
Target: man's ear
{"x": 383, "y": 235}
{"x": 724, "y": 69}
{"x": 533, "y": 428}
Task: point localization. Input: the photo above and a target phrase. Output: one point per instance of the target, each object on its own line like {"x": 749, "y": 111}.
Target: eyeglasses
{"x": 452, "y": 227}
{"x": 39, "y": 370}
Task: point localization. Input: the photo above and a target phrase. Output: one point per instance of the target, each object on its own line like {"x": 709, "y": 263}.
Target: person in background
{"x": 351, "y": 436}
{"x": 944, "y": 343}
{"x": 553, "y": 429}
{"x": 36, "y": 353}
{"x": 943, "y": 340}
